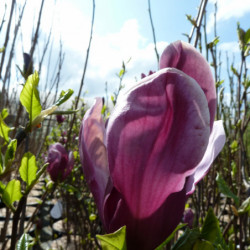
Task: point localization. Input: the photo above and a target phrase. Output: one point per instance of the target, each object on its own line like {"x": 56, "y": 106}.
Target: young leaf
{"x": 10, "y": 152}
{"x": 245, "y": 206}
{"x": 28, "y": 168}
{"x": 191, "y": 20}
{"x": 2, "y": 187}
{"x": 170, "y": 237}
{"x": 114, "y": 241}
{"x": 247, "y": 37}
{"x": 24, "y": 242}
{"x": 121, "y": 73}
{"x": 241, "y": 35}
{"x": 29, "y": 96}
{"x": 234, "y": 70}
{"x": 187, "y": 240}
{"x": 64, "y": 96}
{"x": 211, "y": 230}
{"x": 4, "y": 113}
{"x": 213, "y": 43}
{"x": 4, "y": 129}
{"x": 12, "y": 192}
{"x": 224, "y": 188}
{"x": 234, "y": 146}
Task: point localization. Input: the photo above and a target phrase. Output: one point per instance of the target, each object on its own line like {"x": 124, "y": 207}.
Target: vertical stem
{"x": 2, "y": 96}
{"x": 199, "y": 21}
{"x": 84, "y": 71}
{"x": 153, "y": 31}
{"x": 15, "y": 222}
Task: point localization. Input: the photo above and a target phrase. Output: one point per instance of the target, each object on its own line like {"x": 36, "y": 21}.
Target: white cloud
{"x": 231, "y": 47}
{"x": 108, "y": 52}
{"x": 228, "y": 9}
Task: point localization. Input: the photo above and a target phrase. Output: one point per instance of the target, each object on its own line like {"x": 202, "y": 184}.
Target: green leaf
{"x": 218, "y": 84}
{"x": 121, "y": 73}
{"x": 247, "y": 50}
{"x": 10, "y": 153}
{"x": 211, "y": 230}
{"x": 2, "y": 187}
{"x": 24, "y": 242}
{"x": 213, "y": 43}
{"x": 2, "y": 49}
{"x": 216, "y": 40}
{"x": 4, "y": 129}
{"x": 4, "y": 113}
{"x": 38, "y": 175}
{"x": 203, "y": 244}
{"x": 245, "y": 206}
{"x": 224, "y": 188}
{"x": 29, "y": 96}
{"x": 241, "y": 35}
{"x": 170, "y": 237}
{"x": 247, "y": 37}
{"x": 191, "y": 20}
{"x": 12, "y": 192}
{"x": 187, "y": 240}
{"x": 234, "y": 70}
{"x": 28, "y": 168}
{"x": 234, "y": 146}
{"x": 114, "y": 241}
{"x": 64, "y": 96}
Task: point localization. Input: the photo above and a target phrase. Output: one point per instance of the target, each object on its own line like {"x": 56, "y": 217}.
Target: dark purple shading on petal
{"x": 146, "y": 233}
{"x": 185, "y": 57}
{"x": 156, "y": 136}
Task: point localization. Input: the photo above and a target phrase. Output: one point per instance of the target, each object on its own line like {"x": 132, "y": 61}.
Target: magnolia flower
{"x": 188, "y": 217}
{"x": 60, "y": 162}
{"x": 159, "y": 141}
{"x": 60, "y": 118}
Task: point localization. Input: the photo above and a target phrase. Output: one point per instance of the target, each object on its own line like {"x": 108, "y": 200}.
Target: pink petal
{"x": 216, "y": 143}
{"x": 93, "y": 152}
{"x": 156, "y": 136}
{"x": 185, "y": 57}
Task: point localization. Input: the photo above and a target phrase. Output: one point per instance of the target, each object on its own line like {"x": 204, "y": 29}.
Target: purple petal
{"x": 59, "y": 167}
{"x": 156, "y": 136}
{"x": 70, "y": 165}
{"x": 185, "y": 57}
{"x": 216, "y": 142}
{"x": 93, "y": 153}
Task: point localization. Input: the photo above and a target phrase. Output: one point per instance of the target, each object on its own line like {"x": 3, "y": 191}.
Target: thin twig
{"x": 84, "y": 71}
{"x": 199, "y": 21}
{"x": 153, "y": 31}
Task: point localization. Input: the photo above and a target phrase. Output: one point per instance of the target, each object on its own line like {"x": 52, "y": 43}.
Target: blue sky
{"x": 121, "y": 31}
